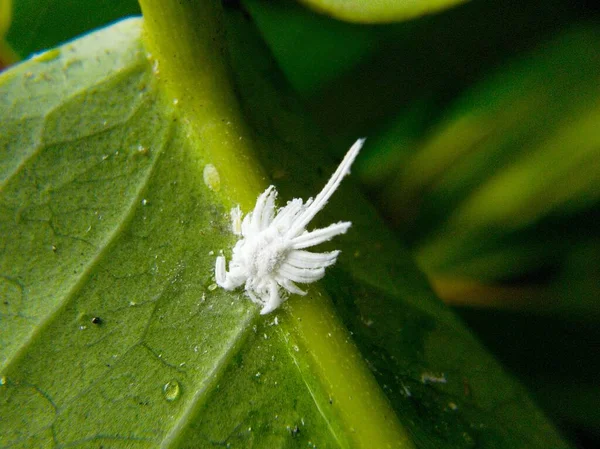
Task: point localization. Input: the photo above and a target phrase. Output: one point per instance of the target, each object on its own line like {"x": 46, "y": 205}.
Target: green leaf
{"x": 113, "y": 331}
{"x": 378, "y": 11}
{"x": 311, "y": 49}
{"x": 41, "y": 24}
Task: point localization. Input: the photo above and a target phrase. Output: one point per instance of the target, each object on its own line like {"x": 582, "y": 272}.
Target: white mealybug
{"x": 270, "y": 254}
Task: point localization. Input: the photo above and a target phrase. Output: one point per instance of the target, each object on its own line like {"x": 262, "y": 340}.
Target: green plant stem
{"x": 187, "y": 44}
{"x": 355, "y": 396}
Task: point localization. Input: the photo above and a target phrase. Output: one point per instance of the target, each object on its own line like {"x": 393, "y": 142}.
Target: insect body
{"x": 271, "y": 253}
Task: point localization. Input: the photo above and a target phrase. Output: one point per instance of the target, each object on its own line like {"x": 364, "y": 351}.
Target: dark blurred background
{"x": 483, "y": 153}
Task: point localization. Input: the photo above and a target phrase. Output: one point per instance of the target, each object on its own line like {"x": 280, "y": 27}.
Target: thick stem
{"x": 186, "y": 39}
{"x": 187, "y": 43}
{"x": 356, "y": 398}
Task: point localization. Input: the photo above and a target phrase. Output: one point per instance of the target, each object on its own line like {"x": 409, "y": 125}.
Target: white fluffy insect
{"x": 270, "y": 254}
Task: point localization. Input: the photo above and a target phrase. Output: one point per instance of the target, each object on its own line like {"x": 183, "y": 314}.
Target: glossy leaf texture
{"x": 113, "y": 331}
{"x": 378, "y": 11}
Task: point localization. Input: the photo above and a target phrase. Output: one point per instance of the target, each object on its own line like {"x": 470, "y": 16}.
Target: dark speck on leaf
{"x": 97, "y": 320}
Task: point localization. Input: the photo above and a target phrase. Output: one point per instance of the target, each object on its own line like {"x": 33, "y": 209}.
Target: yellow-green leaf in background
{"x": 5, "y": 16}
{"x": 7, "y": 54}
{"x": 379, "y": 11}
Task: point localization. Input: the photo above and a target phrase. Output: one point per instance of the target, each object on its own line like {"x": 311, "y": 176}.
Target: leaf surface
{"x": 113, "y": 331}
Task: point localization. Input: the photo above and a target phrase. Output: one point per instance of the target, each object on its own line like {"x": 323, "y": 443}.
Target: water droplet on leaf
{"x": 211, "y": 177}
{"x": 172, "y": 390}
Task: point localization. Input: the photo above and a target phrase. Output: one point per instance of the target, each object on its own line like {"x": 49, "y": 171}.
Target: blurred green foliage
{"x": 483, "y": 126}
{"x": 483, "y": 151}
